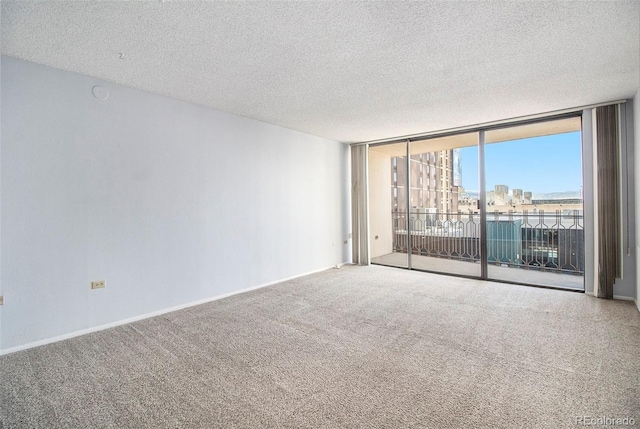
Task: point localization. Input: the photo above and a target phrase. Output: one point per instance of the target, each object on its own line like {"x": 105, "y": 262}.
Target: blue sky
{"x": 540, "y": 164}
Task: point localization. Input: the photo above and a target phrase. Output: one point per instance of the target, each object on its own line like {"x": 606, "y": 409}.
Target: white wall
{"x": 380, "y": 224}
{"x": 1, "y": 306}
{"x": 169, "y": 202}
{"x": 636, "y": 134}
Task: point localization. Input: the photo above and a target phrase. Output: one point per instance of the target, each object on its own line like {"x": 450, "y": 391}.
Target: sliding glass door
{"x": 421, "y": 215}
{"x": 444, "y": 217}
{"x": 534, "y": 204}
{"x": 500, "y": 203}
{"x": 388, "y": 238}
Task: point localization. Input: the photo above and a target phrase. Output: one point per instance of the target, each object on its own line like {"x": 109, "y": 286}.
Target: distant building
{"x": 433, "y": 178}
{"x": 557, "y": 201}
{"x": 502, "y": 201}
{"x": 517, "y": 196}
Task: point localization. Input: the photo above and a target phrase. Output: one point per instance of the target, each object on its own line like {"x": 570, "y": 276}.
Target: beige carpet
{"x": 351, "y": 347}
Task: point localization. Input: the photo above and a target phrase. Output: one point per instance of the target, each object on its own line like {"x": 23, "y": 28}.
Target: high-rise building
{"x": 432, "y": 181}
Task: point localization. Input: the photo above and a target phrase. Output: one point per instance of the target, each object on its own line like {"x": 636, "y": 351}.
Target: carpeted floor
{"x": 351, "y": 347}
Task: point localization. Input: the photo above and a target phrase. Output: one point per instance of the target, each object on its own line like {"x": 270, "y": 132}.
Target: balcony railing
{"x": 536, "y": 241}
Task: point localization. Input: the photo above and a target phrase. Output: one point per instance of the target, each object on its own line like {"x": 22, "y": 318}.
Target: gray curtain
{"x": 608, "y": 199}
{"x": 360, "y": 203}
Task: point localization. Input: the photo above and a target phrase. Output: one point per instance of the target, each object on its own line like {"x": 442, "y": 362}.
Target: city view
{"x": 534, "y": 211}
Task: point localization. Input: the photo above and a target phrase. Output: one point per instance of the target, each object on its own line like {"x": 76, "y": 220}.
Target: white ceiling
{"x": 348, "y": 71}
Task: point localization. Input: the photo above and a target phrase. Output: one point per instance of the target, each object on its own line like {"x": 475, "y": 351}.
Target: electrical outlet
{"x": 1, "y": 300}
{"x": 98, "y": 284}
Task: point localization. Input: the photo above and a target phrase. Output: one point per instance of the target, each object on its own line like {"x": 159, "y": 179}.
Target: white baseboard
{"x": 342, "y": 264}
{"x": 618, "y": 297}
{"x": 153, "y": 314}
{"x": 623, "y": 298}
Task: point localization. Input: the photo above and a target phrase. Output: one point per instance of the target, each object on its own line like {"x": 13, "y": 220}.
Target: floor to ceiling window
{"x": 503, "y": 203}
{"x": 533, "y": 202}
{"x": 387, "y": 205}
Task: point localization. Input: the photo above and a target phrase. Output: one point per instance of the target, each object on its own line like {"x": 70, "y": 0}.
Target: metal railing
{"x": 536, "y": 241}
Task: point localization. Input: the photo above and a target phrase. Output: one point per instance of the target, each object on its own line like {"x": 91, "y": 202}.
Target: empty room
{"x": 319, "y": 214}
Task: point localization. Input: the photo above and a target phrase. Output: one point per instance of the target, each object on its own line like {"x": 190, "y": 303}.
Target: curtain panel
{"x": 360, "y": 203}
{"x": 607, "y": 151}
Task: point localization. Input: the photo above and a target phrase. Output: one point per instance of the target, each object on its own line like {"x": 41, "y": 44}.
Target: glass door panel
{"x": 534, "y": 204}
{"x": 444, "y": 218}
{"x": 388, "y": 205}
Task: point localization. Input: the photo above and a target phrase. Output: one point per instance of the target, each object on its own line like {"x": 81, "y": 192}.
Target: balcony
{"x": 535, "y": 248}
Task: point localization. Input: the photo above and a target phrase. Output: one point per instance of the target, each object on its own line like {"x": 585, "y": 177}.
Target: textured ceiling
{"x": 348, "y": 71}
